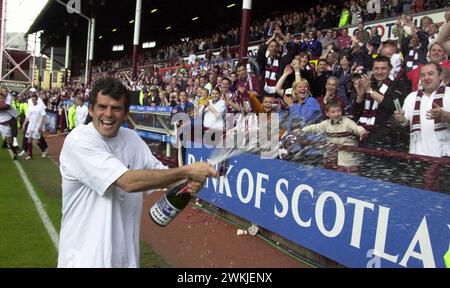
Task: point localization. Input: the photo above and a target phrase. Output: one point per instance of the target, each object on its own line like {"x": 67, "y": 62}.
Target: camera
{"x": 355, "y": 76}
{"x": 358, "y": 72}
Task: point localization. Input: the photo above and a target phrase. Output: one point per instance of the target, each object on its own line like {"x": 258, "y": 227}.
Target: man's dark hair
{"x": 274, "y": 41}
{"x": 437, "y": 66}
{"x": 241, "y": 65}
{"x": 346, "y": 55}
{"x": 389, "y": 43}
{"x": 111, "y": 87}
{"x": 227, "y": 79}
{"x": 267, "y": 96}
{"x": 382, "y": 59}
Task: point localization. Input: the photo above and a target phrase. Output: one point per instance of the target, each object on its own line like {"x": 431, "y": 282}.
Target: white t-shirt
{"x": 211, "y": 120}
{"x": 427, "y": 143}
{"x": 100, "y": 224}
{"x": 9, "y": 99}
{"x": 80, "y": 115}
{"x": 34, "y": 114}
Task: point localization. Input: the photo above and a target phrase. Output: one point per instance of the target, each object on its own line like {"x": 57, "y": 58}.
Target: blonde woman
{"x": 300, "y": 103}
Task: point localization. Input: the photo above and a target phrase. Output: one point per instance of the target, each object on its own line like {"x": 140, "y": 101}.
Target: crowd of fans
{"x": 331, "y": 14}
{"x": 315, "y": 77}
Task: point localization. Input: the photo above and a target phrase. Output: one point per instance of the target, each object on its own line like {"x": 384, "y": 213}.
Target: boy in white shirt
{"x": 342, "y": 131}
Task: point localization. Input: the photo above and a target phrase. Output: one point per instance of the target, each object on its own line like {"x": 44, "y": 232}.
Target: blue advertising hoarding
{"x": 353, "y": 220}
{"x": 156, "y": 136}
{"x": 136, "y": 108}
{"x": 51, "y": 124}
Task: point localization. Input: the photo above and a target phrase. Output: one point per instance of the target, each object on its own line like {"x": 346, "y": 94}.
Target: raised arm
{"x": 444, "y": 37}
{"x": 279, "y": 87}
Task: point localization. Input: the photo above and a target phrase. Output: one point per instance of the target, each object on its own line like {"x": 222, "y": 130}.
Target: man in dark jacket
{"x": 375, "y": 106}
{"x": 272, "y": 66}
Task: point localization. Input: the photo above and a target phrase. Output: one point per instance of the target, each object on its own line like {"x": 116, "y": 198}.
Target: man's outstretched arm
{"x": 444, "y": 37}
{"x": 142, "y": 180}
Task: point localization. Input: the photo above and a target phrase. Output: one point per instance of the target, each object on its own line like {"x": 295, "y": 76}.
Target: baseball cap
{"x": 33, "y": 90}
{"x": 288, "y": 91}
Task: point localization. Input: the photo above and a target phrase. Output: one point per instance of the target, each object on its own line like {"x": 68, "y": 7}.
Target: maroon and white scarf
{"x": 369, "y": 115}
{"x": 412, "y": 60}
{"x": 270, "y": 80}
{"x": 249, "y": 83}
{"x": 438, "y": 124}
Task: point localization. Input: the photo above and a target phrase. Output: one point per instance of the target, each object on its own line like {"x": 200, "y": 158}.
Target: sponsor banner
{"x": 15, "y": 85}
{"x": 156, "y": 136}
{"x": 353, "y": 220}
{"x": 136, "y": 108}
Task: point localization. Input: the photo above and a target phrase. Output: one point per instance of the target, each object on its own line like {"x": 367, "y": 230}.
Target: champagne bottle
{"x": 223, "y": 168}
{"x": 171, "y": 204}
{"x": 175, "y": 200}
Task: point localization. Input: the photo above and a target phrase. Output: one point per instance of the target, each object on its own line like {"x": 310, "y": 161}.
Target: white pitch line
{"x": 38, "y": 204}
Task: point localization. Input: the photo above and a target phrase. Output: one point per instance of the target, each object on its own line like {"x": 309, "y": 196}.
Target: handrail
{"x": 430, "y": 175}
{"x": 397, "y": 154}
{"x": 382, "y": 152}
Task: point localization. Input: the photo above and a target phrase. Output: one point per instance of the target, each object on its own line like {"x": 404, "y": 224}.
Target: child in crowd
{"x": 339, "y": 130}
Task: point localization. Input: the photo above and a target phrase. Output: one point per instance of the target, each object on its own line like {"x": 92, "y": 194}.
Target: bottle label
{"x": 163, "y": 212}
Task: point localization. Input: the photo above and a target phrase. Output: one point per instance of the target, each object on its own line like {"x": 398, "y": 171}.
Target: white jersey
{"x": 428, "y": 143}
{"x": 34, "y": 114}
{"x": 100, "y": 224}
{"x": 9, "y": 99}
{"x": 5, "y": 116}
{"x": 5, "y": 129}
{"x": 81, "y": 115}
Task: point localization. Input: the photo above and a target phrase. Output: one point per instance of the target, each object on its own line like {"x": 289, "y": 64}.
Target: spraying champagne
{"x": 175, "y": 200}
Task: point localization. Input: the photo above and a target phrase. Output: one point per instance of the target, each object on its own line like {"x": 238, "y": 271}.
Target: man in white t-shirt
{"x": 81, "y": 112}
{"x": 33, "y": 91}
{"x": 427, "y": 111}
{"x": 102, "y": 164}
{"x": 34, "y": 122}
{"x": 42, "y": 143}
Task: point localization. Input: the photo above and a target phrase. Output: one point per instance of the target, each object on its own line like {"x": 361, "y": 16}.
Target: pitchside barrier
{"x": 357, "y": 221}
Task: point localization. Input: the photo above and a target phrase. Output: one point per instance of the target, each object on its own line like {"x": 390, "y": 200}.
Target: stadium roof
{"x": 212, "y": 16}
